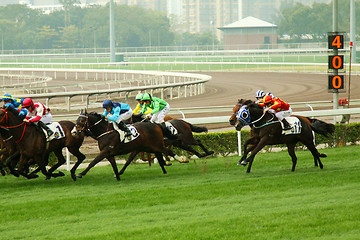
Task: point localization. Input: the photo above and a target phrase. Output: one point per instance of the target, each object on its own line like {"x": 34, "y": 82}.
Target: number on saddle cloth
{"x": 295, "y": 126}
{"x": 171, "y": 128}
{"x": 134, "y": 134}
{"x": 57, "y": 129}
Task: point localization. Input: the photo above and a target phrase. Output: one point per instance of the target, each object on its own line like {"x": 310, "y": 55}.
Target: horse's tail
{"x": 197, "y": 129}
{"x": 167, "y": 133}
{"x": 322, "y": 127}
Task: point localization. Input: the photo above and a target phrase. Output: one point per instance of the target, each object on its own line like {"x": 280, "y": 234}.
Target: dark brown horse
{"x": 149, "y": 138}
{"x": 31, "y": 143}
{"x": 267, "y": 130}
{"x": 10, "y": 155}
{"x": 185, "y": 135}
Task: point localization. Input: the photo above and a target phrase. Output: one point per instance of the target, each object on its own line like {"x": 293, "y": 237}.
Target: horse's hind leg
{"x": 310, "y": 145}
{"x": 162, "y": 163}
{"x": 291, "y": 150}
{"x": 80, "y": 158}
{"x": 61, "y": 161}
{"x": 207, "y": 152}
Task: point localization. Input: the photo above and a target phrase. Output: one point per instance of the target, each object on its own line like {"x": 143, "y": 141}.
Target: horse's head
{"x": 236, "y": 108}
{"x": 248, "y": 115}
{"x": 82, "y": 123}
{"x": 86, "y": 122}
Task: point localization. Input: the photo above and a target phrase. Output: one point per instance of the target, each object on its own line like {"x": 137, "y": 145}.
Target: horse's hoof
{"x": 73, "y": 176}
{"x": 184, "y": 161}
{"x": 2, "y": 172}
{"x": 167, "y": 163}
{"x": 79, "y": 176}
{"x": 211, "y": 153}
{"x": 61, "y": 174}
{"x": 243, "y": 163}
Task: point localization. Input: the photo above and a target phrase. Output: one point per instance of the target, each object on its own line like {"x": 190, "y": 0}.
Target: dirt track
{"x": 226, "y": 87}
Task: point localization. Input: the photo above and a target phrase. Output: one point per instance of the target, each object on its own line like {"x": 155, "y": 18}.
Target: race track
{"x": 226, "y": 87}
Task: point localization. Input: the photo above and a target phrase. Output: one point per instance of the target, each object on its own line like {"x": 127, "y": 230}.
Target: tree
{"x": 68, "y": 5}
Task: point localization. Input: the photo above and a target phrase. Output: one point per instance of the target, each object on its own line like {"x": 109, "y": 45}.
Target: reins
{"x": 268, "y": 122}
{"x": 7, "y": 127}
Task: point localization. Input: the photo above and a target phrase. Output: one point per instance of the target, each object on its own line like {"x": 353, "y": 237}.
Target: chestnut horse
{"x": 149, "y": 138}
{"x": 267, "y": 130}
{"x": 31, "y": 142}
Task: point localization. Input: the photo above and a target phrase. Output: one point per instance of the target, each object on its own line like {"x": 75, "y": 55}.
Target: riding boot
{"x": 47, "y": 129}
{"x": 123, "y": 127}
{"x": 286, "y": 124}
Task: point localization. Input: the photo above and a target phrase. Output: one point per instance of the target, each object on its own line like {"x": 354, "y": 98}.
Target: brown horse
{"x": 149, "y": 138}
{"x": 31, "y": 142}
{"x": 185, "y": 135}
{"x": 267, "y": 130}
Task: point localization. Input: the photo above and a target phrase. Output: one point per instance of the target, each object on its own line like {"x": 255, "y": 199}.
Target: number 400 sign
{"x": 336, "y": 62}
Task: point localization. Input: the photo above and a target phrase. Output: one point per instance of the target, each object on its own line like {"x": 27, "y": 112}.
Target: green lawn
{"x": 204, "y": 199}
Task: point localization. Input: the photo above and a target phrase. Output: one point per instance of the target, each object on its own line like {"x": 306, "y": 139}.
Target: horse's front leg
{"x": 253, "y": 141}
{"x": 112, "y": 161}
{"x": 262, "y": 143}
{"x": 103, "y": 154}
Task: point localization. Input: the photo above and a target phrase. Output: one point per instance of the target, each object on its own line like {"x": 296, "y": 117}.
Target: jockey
{"x": 38, "y": 113}
{"x": 9, "y": 101}
{"x": 140, "y": 104}
{"x": 280, "y": 108}
{"x": 159, "y": 108}
{"x": 116, "y": 112}
{"x": 259, "y": 95}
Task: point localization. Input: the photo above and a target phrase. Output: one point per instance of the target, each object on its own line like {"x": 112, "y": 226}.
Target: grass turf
{"x": 206, "y": 199}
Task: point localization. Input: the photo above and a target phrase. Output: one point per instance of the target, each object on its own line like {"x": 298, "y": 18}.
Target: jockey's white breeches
{"x": 283, "y": 114}
{"x": 160, "y": 115}
{"x": 46, "y": 118}
{"x": 125, "y": 116}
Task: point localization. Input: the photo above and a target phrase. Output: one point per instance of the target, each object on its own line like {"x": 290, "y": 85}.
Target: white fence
{"x": 176, "y": 84}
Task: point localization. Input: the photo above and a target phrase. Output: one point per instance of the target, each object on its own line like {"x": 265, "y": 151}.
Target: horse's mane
{"x": 15, "y": 112}
{"x": 255, "y": 105}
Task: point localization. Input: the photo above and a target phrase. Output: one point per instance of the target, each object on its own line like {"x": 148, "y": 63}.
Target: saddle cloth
{"x": 134, "y": 134}
{"x": 295, "y": 126}
{"x": 57, "y": 129}
{"x": 171, "y": 128}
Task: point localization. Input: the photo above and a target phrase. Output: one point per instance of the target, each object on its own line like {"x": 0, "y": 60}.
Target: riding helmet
{"x": 139, "y": 96}
{"x": 27, "y": 102}
{"x": 146, "y": 97}
{"x": 259, "y": 94}
{"x": 267, "y": 99}
{"x": 6, "y": 97}
{"x": 107, "y": 103}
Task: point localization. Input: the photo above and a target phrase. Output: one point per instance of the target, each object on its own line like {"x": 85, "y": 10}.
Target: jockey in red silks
{"x": 38, "y": 113}
{"x": 280, "y": 108}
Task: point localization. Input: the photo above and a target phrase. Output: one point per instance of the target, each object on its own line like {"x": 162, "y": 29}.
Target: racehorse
{"x": 31, "y": 142}
{"x": 267, "y": 130}
{"x": 185, "y": 138}
{"x": 9, "y": 152}
{"x": 149, "y": 137}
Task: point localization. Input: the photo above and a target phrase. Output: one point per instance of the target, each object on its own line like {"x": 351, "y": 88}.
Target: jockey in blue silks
{"x": 12, "y": 102}
{"x": 116, "y": 113}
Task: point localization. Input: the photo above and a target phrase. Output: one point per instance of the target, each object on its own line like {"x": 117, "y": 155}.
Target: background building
{"x": 249, "y": 32}
{"x": 205, "y": 15}
{"x": 269, "y": 10}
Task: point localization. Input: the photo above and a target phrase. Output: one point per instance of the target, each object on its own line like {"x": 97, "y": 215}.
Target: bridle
{"x": 243, "y": 116}
{"x": 86, "y": 126}
{"x": 8, "y": 127}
